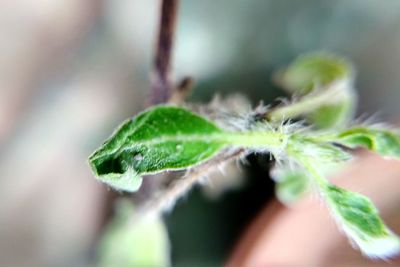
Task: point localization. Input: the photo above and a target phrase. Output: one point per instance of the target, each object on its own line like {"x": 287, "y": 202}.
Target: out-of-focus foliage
{"x": 379, "y": 140}
{"x": 291, "y": 184}
{"x": 329, "y": 76}
{"x": 130, "y": 242}
{"x": 315, "y": 71}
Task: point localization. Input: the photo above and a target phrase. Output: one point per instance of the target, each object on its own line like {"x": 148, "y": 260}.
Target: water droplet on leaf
{"x": 138, "y": 157}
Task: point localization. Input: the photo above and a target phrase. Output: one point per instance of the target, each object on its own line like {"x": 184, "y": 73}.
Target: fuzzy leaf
{"x": 311, "y": 75}
{"x": 159, "y": 139}
{"x": 360, "y": 220}
{"x": 381, "y": 141}
{"x": 355, "y": 213}
{"x": 315, "y": 70}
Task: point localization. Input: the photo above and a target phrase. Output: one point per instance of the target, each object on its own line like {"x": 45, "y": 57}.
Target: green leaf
{"x": 159, "y": 139}
{"x": 315, "y": 70}
{"x": 360, "y": 220}
{"x": 381, "y": 141}
{"x": 128, "y": 243}
{"x": 334, "y": 115}
{"x": 169, "y": 138}
{"x": 291, "y": 184}
{"x": 315, "y": 75}
{"x": 356, "y": 215}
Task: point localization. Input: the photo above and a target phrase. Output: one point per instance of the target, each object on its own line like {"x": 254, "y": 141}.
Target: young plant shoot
{"x": 166, "y": 138}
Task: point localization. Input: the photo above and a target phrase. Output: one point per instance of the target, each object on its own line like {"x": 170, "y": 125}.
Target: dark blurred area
{"x": 72, "y": 70}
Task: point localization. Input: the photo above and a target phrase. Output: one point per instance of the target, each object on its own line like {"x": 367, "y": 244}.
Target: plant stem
{"x": 161, "y": 84}
{"x": 309, "y": 166}
{"x": 166, "y": 199}
{"x": 307, "y": 104}
{"x": 257, "y": 139}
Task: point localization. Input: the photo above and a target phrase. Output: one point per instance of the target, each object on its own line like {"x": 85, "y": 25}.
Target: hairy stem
{"x": 270, "y": 139}
{"x": 309, "y": 166}
{"x": 336, "y": 92}
{"x": 165, "y": 200}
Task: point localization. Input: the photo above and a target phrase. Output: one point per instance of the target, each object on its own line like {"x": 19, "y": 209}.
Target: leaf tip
{"x": 128, "y": 181}
{"x": 381, "y": 248}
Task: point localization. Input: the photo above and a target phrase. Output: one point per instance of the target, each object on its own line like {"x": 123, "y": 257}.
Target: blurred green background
{"x": 71, "y": 70}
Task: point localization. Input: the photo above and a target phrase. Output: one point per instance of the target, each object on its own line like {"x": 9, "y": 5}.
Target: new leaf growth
{"x": 167, "y": 138}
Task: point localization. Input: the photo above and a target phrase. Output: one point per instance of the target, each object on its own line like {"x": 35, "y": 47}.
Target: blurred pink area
{"x": 306, "y": 235}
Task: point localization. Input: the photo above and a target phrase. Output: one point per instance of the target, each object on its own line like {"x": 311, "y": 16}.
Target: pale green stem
{"x": 256, "y": 139}
{"x": 305, "y": 162}
{"x": 308, "y": 103}
{"x": 325, "y": 137}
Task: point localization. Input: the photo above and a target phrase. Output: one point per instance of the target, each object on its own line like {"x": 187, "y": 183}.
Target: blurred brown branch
{"x": 161, "y": 83}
